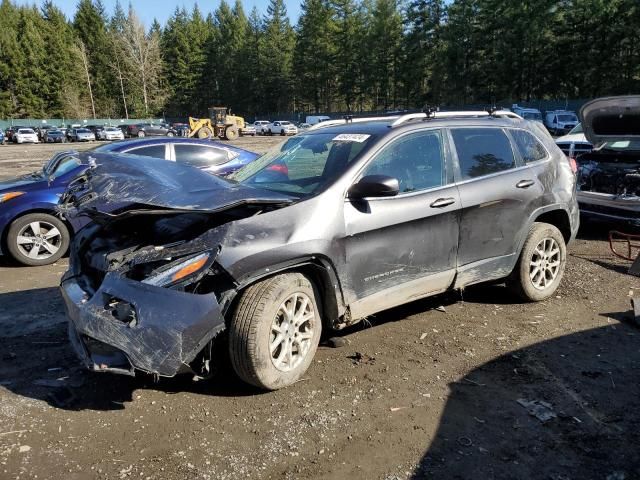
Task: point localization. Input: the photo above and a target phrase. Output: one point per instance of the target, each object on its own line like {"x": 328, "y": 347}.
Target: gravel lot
{"x": 427, "y": 390}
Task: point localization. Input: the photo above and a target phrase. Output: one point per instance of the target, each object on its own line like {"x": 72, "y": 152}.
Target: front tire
{"x": 37, "y": 239}
{"x": 540, "y": 267}
{"x": 231, "y": 133}
{"x": 141, "y": 134}
{"x": 274, "y": 331}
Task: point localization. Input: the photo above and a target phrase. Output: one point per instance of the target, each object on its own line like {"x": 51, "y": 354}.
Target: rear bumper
{"x": 610, "y": 208}
{"x": 127, "y": 325}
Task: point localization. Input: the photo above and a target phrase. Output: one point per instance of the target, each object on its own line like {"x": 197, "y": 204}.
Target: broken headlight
{"x": 180, "y": 270}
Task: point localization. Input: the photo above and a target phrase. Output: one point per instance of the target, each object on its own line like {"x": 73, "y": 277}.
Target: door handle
{"x": 443, "y": 202}
{"x": 525, "y": 183}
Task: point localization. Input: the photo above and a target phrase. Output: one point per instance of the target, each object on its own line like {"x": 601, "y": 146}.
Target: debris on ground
{"x": 423, "y": 336}
{"x": 337, "y": 342}
{"x": 441, "y": 309}
{"x": 362, "y": 359}
{"x": 543, "y": 411}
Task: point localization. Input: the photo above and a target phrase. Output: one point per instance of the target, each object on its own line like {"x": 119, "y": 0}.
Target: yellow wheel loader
{"x": 220, "y": 124}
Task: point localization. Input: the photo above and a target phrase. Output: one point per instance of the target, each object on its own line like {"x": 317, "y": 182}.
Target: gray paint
{"x": 369, "y": 254}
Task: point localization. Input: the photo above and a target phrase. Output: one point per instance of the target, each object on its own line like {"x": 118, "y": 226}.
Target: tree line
{"x": 341, "y": 55}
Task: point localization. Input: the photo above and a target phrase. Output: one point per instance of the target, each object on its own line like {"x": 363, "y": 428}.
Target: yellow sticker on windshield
{"x": 351, "y": 137}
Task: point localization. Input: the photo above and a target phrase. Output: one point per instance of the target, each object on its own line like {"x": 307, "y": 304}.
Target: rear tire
{"x": 141, "y": 134}
{"x": 540, "y": 267}
{"x": 50, "y": 239}
{"x": 274, "y": 331}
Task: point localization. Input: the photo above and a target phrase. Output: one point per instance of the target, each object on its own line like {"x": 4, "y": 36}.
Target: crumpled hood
{"x": 611, "y": 119}
{"x": 118, "y": 181}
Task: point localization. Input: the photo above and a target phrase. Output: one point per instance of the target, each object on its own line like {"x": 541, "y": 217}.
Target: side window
{"x": 65, "y": 165}
{"x": 416, "y": 160}
{"x": 482, "y": 151}
{"x": 529, "y": 147}
{"x": 199, "y": 155}
{"x": 155, "y": 151}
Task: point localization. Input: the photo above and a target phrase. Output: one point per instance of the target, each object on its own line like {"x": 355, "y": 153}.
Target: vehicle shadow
{"x": 37, "y": 361}
{"x": 560, "y": 409}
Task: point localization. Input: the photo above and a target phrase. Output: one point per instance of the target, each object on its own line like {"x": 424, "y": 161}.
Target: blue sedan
{"x": 30, "y": 230}
{"x": 213, "y": 157}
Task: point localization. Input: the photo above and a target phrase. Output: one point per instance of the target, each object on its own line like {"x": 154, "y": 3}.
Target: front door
{"x": 402, "y": 248}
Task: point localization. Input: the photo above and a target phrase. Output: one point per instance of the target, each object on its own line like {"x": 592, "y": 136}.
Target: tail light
{"x": 280, "y": 168}
{"x": 574, "y": 165}
{"x": 572, "y": 158}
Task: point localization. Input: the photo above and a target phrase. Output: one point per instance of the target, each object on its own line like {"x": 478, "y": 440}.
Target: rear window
{"x": 531, "y": 150}
{"x": 482, "y": 151}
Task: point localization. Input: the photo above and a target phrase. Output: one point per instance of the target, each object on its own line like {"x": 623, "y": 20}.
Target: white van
{"x": 313, "y": 119}
{"x": 559, "y": 122}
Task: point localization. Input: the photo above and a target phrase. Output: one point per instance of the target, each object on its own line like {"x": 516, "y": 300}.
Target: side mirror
{"x": 375, "y": 186}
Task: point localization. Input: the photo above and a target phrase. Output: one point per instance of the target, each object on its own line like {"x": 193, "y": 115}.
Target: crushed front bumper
{"x": 127, "y": 325}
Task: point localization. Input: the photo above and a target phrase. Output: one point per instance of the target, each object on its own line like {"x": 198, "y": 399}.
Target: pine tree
{"x": 11, "y": 66}
{"x": 348, "y": 35}
{"x": 315, "y": 49}
{"x": 422, "y": 69}
{"x": 384, "y": 40}
{"x": 90, "y": 26}
{"x": 279, "y": 41}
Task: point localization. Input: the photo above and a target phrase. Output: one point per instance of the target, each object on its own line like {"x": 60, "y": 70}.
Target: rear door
{"x": 498, "y": 193}
{"x": 402, "y": 248}
{"x": 205, "y": 157}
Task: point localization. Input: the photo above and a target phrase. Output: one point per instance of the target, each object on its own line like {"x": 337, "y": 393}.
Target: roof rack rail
{"x": 407, "y": 117}
{"x": 333, "y": 123}
{"x": 478, "y": 113}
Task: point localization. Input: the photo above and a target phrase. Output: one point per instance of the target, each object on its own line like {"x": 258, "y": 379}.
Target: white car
{"x": 261, "y": 126}
{"x": 527, "y": 113}
{"x": 248, "y": 130}
{"x": 25, "y": 135}
{"x": 574, "y": 143}
{"x": 282, "y": 127}
{"x": 110, "y": 133}
{"x": 560, "y": 121}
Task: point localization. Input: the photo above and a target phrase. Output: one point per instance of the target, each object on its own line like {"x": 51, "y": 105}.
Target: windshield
{"x": 284, "y": 123}
{"x": 111, "y": 129}
{"x": 567, "y": 118}
{"x": 25, "y": 131}
{"x": 82, "y": 130}
{"x": 576, "y": 129}
{"x": 532, "y": 116}
{"x": 305, "y": 164}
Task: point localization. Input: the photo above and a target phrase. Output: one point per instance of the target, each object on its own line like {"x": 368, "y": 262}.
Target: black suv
{"x": 335, "y": 224}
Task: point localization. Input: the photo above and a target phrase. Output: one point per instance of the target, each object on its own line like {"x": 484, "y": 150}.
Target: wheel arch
{"x": 318, "y": 269}
{"x": 560, "y": 219}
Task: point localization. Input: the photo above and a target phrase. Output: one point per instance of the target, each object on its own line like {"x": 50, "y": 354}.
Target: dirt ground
{"x": 469, "y": 385}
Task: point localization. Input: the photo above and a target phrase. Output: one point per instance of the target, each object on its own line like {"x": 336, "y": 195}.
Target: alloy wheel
{"x": 545, "y": 263}
{"x": 39, "y": 240}
{"x": 292, "y": 332}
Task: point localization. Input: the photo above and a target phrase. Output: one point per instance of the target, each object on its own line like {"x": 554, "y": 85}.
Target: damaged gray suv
{"x": 171, "y": 264}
